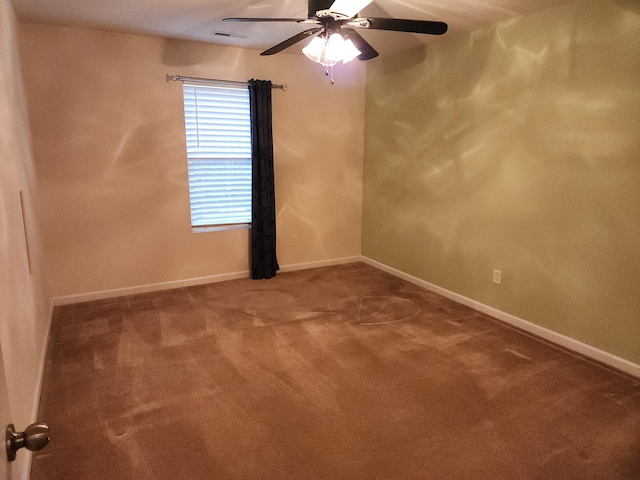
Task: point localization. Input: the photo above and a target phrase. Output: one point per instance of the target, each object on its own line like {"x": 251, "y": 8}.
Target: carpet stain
{"x": 518, "y": 354}
{"x": 381, "y": 310}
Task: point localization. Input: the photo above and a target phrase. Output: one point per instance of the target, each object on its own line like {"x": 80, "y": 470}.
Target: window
{"x": 218, "y": 132}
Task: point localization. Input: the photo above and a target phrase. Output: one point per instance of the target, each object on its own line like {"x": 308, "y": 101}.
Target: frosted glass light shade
{"x": 349, "y": 51}
{"x": 333, "y": 48}
{"x": 315, "y": 49}
{"x": 329, "y": 51}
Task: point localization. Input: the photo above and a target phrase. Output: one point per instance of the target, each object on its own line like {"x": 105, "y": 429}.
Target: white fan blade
{"x": 349, "y": 8}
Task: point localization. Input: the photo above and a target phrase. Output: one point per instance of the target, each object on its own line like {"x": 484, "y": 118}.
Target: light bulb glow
{"x": 333, "y": 49}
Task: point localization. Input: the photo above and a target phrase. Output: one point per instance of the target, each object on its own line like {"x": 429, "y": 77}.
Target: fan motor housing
{"x": 316, "y": 5}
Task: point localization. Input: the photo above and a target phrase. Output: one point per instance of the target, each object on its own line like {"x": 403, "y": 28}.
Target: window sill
{"x": 219, "y": 228}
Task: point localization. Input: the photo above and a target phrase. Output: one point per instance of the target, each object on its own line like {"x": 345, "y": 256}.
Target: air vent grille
{"x": 220, "y": 34}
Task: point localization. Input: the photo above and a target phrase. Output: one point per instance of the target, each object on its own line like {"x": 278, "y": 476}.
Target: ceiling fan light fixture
{"x": 331, "y": 50}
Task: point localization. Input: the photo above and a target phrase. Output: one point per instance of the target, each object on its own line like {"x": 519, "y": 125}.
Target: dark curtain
{"x": 264, "y": 263}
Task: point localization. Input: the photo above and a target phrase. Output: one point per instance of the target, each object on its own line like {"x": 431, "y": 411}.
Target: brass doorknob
{"x": 35, "y": 437}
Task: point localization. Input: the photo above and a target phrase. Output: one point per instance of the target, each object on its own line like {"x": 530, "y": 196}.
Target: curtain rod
{"x": 180, "y": 78}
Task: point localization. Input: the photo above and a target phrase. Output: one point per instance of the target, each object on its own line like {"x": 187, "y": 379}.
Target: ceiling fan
{"x": 338, "y": 39}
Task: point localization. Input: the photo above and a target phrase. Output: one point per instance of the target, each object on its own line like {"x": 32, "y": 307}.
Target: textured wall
{"x": 24, "y": 301}
{"x": 108, "y": 136}
{"x": 517, "y": 148}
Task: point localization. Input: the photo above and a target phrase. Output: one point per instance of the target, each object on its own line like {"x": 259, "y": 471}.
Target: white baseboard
{"x": 153, "y": 287}
{"x": 190, "y": 282}
{"x": 553, "y": 337}
{"x": 321, "y": 263}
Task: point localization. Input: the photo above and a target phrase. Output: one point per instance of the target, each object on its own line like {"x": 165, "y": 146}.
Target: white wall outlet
{"x": 294, "y": 240}
{"x": 497, "y": 277}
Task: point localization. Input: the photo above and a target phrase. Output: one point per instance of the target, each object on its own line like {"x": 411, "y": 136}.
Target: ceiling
{"x": 201, "y": 20}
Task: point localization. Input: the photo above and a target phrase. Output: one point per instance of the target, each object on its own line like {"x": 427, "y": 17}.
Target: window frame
{"x": 202, "y": 132}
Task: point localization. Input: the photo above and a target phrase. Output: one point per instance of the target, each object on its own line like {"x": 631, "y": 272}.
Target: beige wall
{"x": 109, "y": 144}
{"x": 24, "y": 300}
{"x": 517, "y": 148}
{"x": 108, "y": 135}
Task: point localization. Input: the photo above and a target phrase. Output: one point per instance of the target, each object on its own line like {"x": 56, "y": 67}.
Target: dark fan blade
{"x": 290, "y": 41}
{"x": 368, "y": 52}
{"x": 413, "y": 26}
{"x": 235, "y": 19}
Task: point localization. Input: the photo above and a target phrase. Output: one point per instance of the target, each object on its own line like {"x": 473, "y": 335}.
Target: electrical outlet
{"x": 294, "y": 240}
{"x": 497, "y": 277}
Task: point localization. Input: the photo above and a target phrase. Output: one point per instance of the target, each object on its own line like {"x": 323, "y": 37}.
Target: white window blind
{"x": 218, "y": 132}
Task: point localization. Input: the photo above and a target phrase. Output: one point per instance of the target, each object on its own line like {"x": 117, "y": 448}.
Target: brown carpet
{"x": 334, "y": 373}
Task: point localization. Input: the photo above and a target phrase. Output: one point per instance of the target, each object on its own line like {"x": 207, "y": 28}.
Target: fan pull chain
{"x": 329, "y": 71}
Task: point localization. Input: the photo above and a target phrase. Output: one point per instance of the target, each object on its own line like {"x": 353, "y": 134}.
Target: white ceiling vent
{"x": 218, "y": 33}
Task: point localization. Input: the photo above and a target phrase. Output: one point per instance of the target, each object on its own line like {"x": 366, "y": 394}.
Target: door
{"x": 5, "y": 419}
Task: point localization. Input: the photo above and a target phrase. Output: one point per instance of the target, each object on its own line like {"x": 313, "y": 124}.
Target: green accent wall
{"x": 516, "y": 148}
